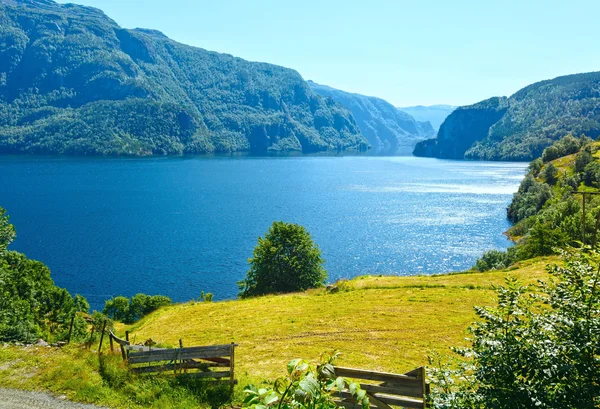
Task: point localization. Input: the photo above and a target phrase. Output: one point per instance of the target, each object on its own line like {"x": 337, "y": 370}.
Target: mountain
{"x": 387, "y": 129}
{"x": 73, "y": 82}
{"x": 522, "y": 126}
{"x": 435, "y": 114}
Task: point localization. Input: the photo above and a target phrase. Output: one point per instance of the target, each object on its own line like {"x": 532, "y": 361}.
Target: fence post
{"x": 232, "y": 364}
{"x": 71, "y": 329}
{"x": 102, "y": 337}
{"x": 91, "y": 337}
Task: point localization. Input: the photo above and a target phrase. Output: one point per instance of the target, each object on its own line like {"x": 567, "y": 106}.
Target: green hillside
{"x": 73, "y": 82}
{"x": 522, "y": 126}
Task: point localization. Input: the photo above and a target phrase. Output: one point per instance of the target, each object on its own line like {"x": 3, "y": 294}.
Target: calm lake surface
{"x": 179, "y": 226}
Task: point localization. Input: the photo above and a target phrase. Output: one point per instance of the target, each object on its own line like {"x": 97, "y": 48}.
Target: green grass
{"x": 80, "y": 375}
{"x": 381, "y": 323}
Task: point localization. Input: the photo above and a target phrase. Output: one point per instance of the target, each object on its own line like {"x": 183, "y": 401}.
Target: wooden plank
{"x": 392, "y": 389}
{"x": 418, "y": 373}
{"x": 210, "y": 374}
{"x": 174, "y": 367}
{"x": 118, "y": 340}
{"x": 184, "y": 353}
{"x": 352, "y": 405}
{"x": 216, "y": 350}
{"x": 405, "y": 402}
{"x": 380, "y": 405}
{"x": 377, "y": 376}
{"x": 143, "y": 348}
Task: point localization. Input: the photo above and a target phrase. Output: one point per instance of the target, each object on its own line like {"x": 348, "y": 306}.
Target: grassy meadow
{"x": 381, "y": 323}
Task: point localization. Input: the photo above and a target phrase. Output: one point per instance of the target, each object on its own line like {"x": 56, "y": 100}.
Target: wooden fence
{"x": 214, "y": 361}
{"x": 387, "y": 389}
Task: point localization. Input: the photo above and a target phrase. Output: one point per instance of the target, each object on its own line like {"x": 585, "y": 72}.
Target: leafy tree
{"x": 582, "y": 159}
{"x": 550, "y": 174}
{"x": 285, "y": 260}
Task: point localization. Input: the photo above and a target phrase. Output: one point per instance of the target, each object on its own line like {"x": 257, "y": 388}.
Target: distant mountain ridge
{"x": 386, "y": 128}
{"x": 73, "y": 82}
{"x": 435, "y": 114}
{"x": 522, "y": 126}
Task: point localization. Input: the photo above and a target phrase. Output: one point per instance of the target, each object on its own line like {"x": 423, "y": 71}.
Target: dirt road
{"x": 14, "y": 399}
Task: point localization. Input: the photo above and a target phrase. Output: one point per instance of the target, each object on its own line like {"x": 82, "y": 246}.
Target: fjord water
{"x": 179, "y": 226}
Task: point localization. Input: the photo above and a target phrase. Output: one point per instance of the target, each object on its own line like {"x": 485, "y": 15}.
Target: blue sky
{"x": 407, "y": 52}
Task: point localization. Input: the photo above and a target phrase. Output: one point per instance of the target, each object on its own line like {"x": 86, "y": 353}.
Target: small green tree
{"x": 285, "y": 260}
{"x": 550, "y": 174}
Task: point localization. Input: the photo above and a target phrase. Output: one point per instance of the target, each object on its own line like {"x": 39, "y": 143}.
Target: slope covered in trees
{"x": 386, "y": 128}
{"x": 546, "y": 212}
{"x": 73, "y": 82}
{"x": 522, "y": 126}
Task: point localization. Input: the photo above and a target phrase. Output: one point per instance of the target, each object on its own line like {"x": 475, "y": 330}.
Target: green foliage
{"x": 535, "y": 167}
{"x": 523, "y": 126}
{"x": 550, "y": 174}
{"x": 538, "y": 348}
{"x": 206, "y": 297}
{"x": 31, "y": 306}
{"x": 131, "y": 310}
{"x": 496, "y": 260}
{"x": 563, "y": 147}
{"x": 304, "y": 387}
{"x": 285, "y": 260}
{"x": 582, "y": 159}
{"x": 73, "y": 82}
{"x": 529, "y": 199}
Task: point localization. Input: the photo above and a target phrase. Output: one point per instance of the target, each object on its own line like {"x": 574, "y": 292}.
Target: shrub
{"x": 131, "y": 310}
{"x": 495, "y": 260}
{"x": 285, "y": 260}
{"x": 537, "y": 348}
{"x": 304, "y": 387}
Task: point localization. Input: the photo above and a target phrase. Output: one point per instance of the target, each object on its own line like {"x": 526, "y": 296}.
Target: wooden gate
{"x": 384, "y": 390}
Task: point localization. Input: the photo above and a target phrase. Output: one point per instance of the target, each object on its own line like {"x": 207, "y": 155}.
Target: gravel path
{"x": 15, "y": 399}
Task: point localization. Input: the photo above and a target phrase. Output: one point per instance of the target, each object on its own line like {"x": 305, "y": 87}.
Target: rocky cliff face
{"x": 73, "y": 82}
{"x": 522, "y": 126}
{"x": 462, "y": 129}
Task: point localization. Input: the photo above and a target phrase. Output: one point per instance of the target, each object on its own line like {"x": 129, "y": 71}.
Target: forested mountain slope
{"x": 73, "y": 82}
{"x": 522, "y": 126}
{"x": 386, "y": 128}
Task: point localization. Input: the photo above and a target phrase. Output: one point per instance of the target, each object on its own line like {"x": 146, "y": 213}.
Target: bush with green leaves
{"x": 496, "y": 260}
{"x": 285, "y": 260}
{"x": 31, "y": 305}
{"x": 539, "y": 347}
{"x": 304, "y": 387}
{"x": 131, "y": 310}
